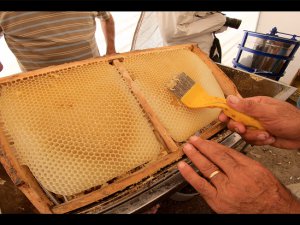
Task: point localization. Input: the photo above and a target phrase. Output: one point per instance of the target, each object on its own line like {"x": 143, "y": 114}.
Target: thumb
{"x": 250, "y": 106}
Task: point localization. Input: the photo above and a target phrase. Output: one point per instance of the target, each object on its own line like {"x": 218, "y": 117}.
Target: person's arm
{"x": 108, "y": 28}
{"x": 203, "y": 25}
{"x": 280, "y": 119}
{"x": 1, "y": 34}
{"x": 242, "y": 185}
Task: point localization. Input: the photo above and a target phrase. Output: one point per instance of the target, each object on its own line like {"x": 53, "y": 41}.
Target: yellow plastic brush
{"x": 193, "y": 95}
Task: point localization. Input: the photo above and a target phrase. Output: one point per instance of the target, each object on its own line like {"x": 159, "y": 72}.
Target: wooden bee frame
{"x": 26, "y": 182}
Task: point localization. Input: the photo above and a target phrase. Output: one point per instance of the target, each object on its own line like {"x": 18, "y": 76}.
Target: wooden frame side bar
{"x": 225, "y": 83}
{"x": 109, "y": 58}
{"x": 117, "y": 185}
{"x": 23, "y": 178}
{"x": 172, "y": 147}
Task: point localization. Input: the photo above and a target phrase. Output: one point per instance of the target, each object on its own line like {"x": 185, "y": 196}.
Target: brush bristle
{"x": 181, "y": 84}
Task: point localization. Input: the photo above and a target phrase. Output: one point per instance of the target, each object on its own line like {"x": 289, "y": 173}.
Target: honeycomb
{"x": 153, "y": 72}
{"x": 76, "y": 128}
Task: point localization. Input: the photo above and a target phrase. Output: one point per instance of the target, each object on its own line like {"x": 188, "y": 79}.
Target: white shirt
{"x": 190, "y": 27}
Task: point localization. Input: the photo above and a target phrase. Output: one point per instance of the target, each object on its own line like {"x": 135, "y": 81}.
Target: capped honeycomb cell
{"x": 153, "y": 72}
{"x": 76, "y": 128}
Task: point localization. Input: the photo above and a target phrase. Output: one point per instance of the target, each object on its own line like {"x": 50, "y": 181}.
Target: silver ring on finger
{"x": 213, "y": 174}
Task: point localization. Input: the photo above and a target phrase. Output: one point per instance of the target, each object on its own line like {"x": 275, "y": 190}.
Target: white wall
{"x": 286, "y": 22}
{"x": 8, "y": 60}
{"x": 231, "y": 38}
{"x": 125, "y": 24}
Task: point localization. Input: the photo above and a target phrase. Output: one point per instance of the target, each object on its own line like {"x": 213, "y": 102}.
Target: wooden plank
{"x": 11, "y": 172}
{"x": 22, "y": 178}
{"x": 33, "y": 192}
{"x": 172, "y": 147}
{"x": 118, "y": 185}
{"x": 218, "y": 126}
{"x": 35, "y": 185}
{"x": 110, "y": 58}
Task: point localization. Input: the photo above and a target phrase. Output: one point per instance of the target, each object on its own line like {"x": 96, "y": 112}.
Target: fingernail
{"x": 181, "y": 165}
{"x": 193, "y": 138}
{"x": 233, "y": 99}
{"x": 187, "y": 146}
{"x": 237, "y": 130}
{"x": 269, "y": 141}
{"x": 263, "y": 136}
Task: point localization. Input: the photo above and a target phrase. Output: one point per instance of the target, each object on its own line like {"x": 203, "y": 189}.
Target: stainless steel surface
{"x": 231, "y": 140}
{"x": 170, "y": 181}
{"x": 151, "y": 196}
{"x": 277, "y": 47}
{"x": 264, "y": 63}
{"x": 261, "y": 63}
{"x": 250, "y": 84}
{"x": 146, "y": 194}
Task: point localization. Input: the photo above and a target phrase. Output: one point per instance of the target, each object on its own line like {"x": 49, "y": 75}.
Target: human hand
{"x": 242, "y": 185}
{"x": 280, "y": 119}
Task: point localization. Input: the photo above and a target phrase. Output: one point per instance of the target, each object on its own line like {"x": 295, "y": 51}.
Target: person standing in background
{"x": 41, "y": 39}
{"x": 195, "y": 27}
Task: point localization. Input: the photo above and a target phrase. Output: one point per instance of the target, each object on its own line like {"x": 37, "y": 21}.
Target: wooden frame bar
{"x": 225, "y": 83}
{"x": 23, "y": 178}
{"x": 172, "y": 147}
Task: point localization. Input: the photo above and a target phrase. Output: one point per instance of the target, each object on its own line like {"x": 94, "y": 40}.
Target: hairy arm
{"x": 205, "y": 24}
{"x": 242, "y": 185}
{"x": 1, "y": 34}
{"x": 108, "y": 28}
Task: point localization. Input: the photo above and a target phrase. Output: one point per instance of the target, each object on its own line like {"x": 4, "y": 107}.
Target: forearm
{"x": 1, "y": 34}
{"x": 287, "y": 133}
{"x": 298, "y": 132}
{"x": 108, "y": 27}
{"x": 295, "y": 207}
{"x": 206, "y": 25}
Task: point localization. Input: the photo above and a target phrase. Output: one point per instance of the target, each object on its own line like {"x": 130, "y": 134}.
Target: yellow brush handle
{"x": 193, "y": 99}
{"x": 235, "y": 115}
{"x": 241, "y": 117}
